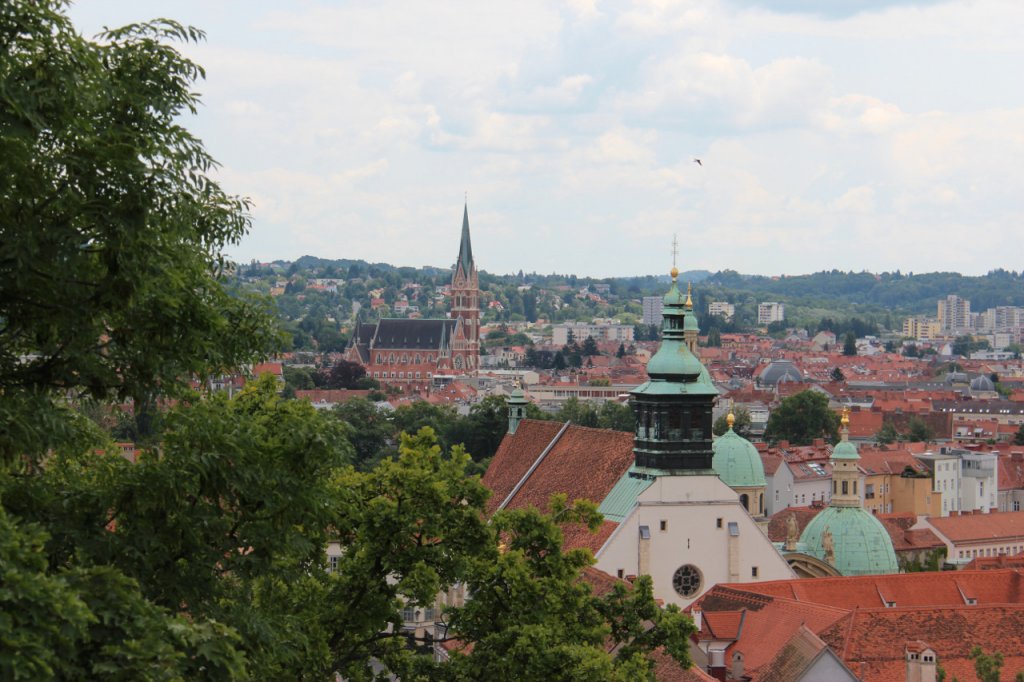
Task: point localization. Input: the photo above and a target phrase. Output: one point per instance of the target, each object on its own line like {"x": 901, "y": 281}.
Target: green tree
{"x": 741, "y": 426}
{"x": 918, "y": 431}
{"x": 590, "y": 347}
{"x": 714, "y": 337}
{"x": 369, "y": 431}
{"x": 837, "y": 374}
{"x": 887, "y": 434}
{"x": 1018, "y": 438}
{"x": 616, "y": 416}
{"x": 531, "y": 617}
{"x": 801, "y": 418}
{"x": 579, "y": 412}
{"x": 850, "y": 344}
{"x": 621, "y": 351}
{"x": 107, "y": 196}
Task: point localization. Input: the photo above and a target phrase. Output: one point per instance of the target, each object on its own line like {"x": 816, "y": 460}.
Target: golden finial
{"x": 730, "y": 419}
{"x": 689, "y": 298}
{"x": 845, "y": 421}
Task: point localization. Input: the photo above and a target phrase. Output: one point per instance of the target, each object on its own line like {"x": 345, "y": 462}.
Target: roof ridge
{"x": 533, "y": 467}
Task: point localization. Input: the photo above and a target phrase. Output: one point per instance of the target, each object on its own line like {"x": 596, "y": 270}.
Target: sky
{"x": 876, "y": 135}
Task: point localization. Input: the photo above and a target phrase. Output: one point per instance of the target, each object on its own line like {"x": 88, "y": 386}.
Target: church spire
{"x": 465, "y": 248}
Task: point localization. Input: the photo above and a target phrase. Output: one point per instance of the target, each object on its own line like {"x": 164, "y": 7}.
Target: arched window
{"x": 380, "y": 358}
{"x": 846, "y": 487}
{"x": 745, "y": 501}
{"x": 760, "y": 503}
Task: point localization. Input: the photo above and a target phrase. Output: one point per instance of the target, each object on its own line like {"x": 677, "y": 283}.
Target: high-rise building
{"x": 652, "y": 310}
{"x": 769, "y": 312}
{"x": 954, "y": 314}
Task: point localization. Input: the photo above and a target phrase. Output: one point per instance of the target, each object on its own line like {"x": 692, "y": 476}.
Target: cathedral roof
{"x": 412, "y": 334}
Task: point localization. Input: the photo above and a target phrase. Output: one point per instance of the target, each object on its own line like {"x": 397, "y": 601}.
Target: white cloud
{"x": 852, "y": 139}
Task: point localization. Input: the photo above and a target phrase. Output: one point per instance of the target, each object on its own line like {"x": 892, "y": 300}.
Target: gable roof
{"x": 515, "y": 455}
{"x": 980, "y": 527}
{"x": 799, "y": 653}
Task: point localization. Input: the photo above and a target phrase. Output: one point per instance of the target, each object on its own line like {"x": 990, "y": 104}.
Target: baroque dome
{"x": 737, "y": 461}
{"x": 857, "y": 541}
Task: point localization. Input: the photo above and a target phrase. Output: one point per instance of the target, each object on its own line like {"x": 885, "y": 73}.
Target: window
{"x": 409, "y": 614}
{"x": 687, "y": 580}
{"x": 718, "y": 522}
{"x": 663, "y": 524}
{"x": 619, "y": 573}
{"x": 380, "y": 358}
{"x": 332, "y": 563}
{"x": 753, "y": 571}
{"x": 855, "y": 487}
{"x": 846, "y": 487}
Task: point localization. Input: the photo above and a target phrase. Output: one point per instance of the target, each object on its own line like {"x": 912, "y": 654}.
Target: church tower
{"x": 673, "y": 409}
{"x": 465, "y": 306}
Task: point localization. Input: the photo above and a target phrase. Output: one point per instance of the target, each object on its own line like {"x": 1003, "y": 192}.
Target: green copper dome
{"x": 737, "y": 461}
{"x": 690, "y": 322}
{"x": 845, "y": 450}
{"x": 674, "y": 361}
{"x": 860, "y": 543}
{"x": 674, "y": 297}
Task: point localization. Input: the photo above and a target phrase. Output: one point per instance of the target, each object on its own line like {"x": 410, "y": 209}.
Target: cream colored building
{"x": 689, "y": 533}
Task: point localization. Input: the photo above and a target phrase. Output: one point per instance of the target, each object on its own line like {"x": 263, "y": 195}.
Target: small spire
{"x": 730, "y": 419}
{"x": 845, "y": 421}
{"x": 689, "y": 298}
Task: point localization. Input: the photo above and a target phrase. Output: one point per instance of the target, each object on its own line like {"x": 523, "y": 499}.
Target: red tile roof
{"x": 516, "y": 454}
{"x": 980, "y": 527}
{"x": 798, "y": 653}
{"x": 873, "y": 642}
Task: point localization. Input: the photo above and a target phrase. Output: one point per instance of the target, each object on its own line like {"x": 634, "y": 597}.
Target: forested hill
{"x": 895, "y": 291}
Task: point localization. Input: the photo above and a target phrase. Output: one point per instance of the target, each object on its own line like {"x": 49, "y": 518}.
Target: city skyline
{"x": 881, "y": 139}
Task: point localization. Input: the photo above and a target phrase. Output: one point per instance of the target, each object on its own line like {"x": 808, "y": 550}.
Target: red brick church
{"x": 416, "y": 354}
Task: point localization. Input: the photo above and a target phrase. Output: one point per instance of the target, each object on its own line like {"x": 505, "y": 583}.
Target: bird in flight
{"x": 697, "y": 161}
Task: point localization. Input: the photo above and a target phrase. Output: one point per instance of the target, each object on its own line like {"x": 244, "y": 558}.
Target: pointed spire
{"x": 465, "y": 248}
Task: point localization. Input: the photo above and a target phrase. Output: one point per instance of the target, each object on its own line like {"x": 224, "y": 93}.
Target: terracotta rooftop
{"x": 801, "y": 649}
{"x": 515, "y": 455}
{"x": 947, "y": 588}
{"x": 980, "y": 527}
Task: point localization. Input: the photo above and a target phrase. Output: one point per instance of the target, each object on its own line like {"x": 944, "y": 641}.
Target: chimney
{"x": 716, "y": 664}
{"x": 737, "y": 666}
{"x": 921, "y": 662}
{"x": 819, "y": 442}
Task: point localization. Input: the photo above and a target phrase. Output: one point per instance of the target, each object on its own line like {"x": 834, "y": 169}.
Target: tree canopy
{"x": 801, "y": 418}
{"x": 202, "y": 555}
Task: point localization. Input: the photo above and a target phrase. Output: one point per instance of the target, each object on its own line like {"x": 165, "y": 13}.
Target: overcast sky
{"x": 875, "y": 135}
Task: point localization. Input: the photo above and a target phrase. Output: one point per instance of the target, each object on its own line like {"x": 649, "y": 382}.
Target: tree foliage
{"x": 741, "y": 427}
{"x": 801, "y": 418}
{"x": 110, "y": 229}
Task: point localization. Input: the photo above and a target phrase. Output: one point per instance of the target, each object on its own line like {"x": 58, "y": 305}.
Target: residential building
{"x": 722, "y": 309}
{"x": 954, "y": 314}
{"x": 652, "y": 310}
{"x": 974, "y": 535}
{"x": 769, "y": 312}
{"x": 561, "y": 334}
{"x": 967, "y": 479}
{"x": 896, "y": 482}
{"x": 921, "y": 328}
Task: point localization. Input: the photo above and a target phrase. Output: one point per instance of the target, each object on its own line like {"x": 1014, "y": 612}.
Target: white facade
{"x": 694, "y": 523}
{"x": 652, "y": 310}
{"x": 967, "y": 480}
{"x": 791, "y": 486}
{"x": 722, "y": 309}
{"x": 769, "y": 312}
{"x": 599, "y": 332}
